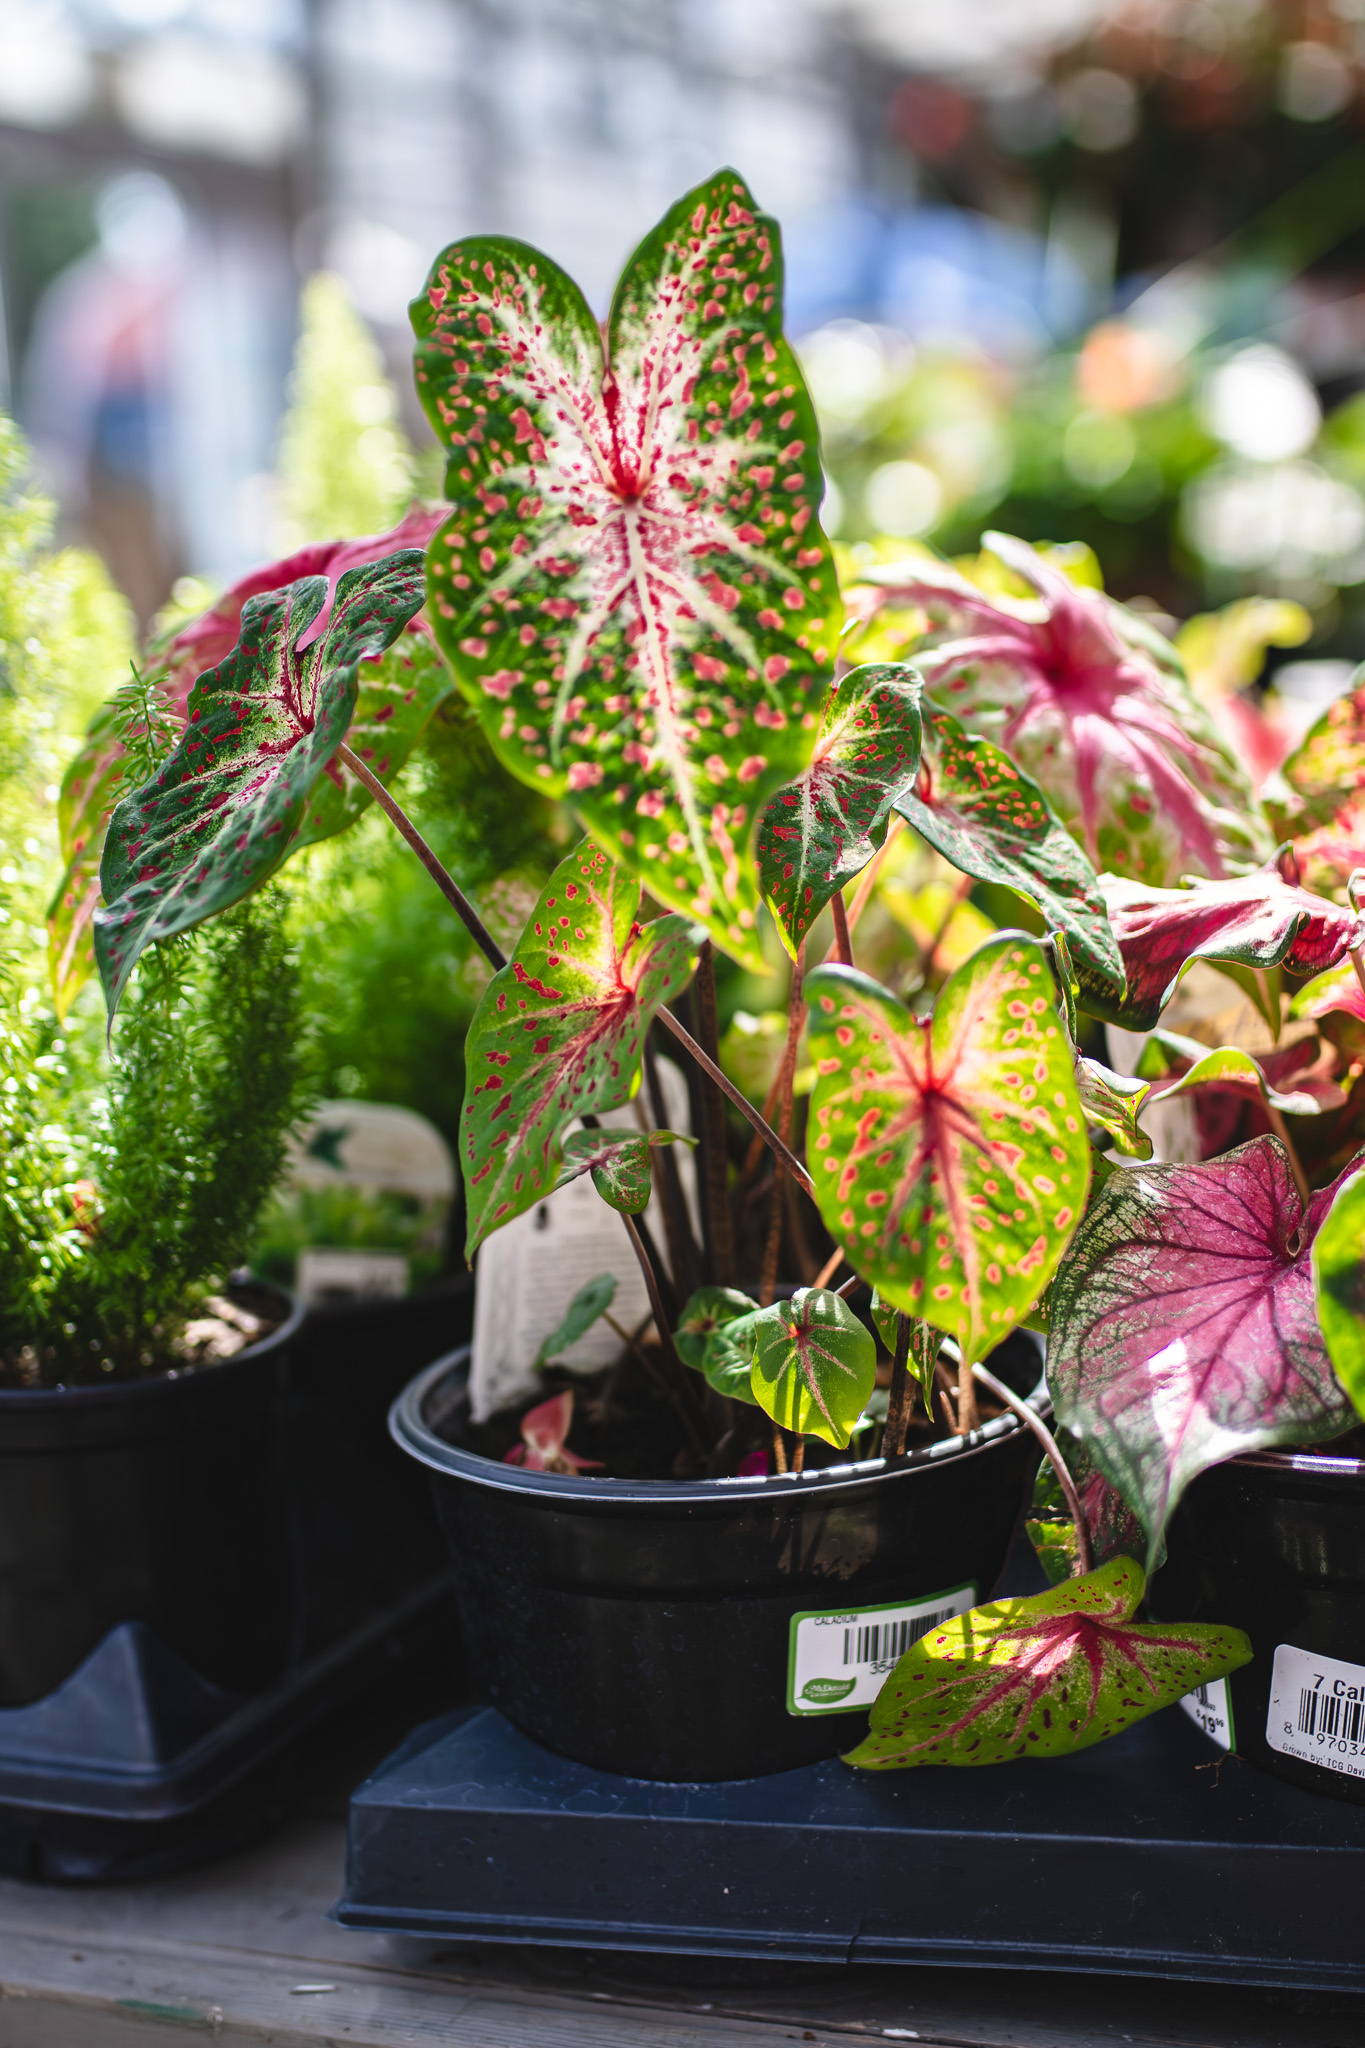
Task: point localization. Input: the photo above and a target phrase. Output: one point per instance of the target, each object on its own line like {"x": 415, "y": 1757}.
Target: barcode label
{"x": 1317, "y": 1710}
{"x": 1210, "y": 1708}
{"x": 838, "y": 1659}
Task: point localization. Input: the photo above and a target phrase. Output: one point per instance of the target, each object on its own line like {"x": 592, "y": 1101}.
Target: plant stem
{"x": 898, "y": 1399}
{"x": 715, "y": 1170}
{"x": 1032, "y": 1420}
{"x": 867, "y": 880}
{"x": 796, "y": 1018}
{"x": 1281, "y": 1130}
{"x": 689, "y": 1407}
{"x": 959, "y": 896}
{"x": 842, "y": 948}
{"x": 967, "y": 1417}
{"x": 779, "y": 1449}
{"x": 473, "y": 923}
{"x": 683, "y": 1259}
{"x": 829, "y": 1269}
{"x": 741, "y": 1102}
{"x": 1359, "y": 965}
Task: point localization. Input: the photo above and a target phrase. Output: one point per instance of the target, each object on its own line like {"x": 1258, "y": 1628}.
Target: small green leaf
{"x": 822, "y": 830}
{"x": 1111, "y": 1103}
{"x": 1226, "y": 1066}
{"x": 727, "y": 1362}
{"x": 925, "y": 1344}
{"x": 618, "y": 1162}
{"x": 815, "y": 1364}
{"x": 592, "y": 1300}
{"x": 1042, "y": 1676}
{"x": 1339, "y": 1286}
{"x": 707, "y": 1310}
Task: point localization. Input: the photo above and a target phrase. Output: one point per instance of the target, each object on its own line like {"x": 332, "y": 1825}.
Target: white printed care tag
{"x": 838, "y": 1657}
{"x": 1210, "y": 1708}
{"x": 1317, "y": 1710}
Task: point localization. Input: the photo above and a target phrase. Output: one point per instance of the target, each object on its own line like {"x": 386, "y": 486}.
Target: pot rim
{"x": 154, "y": 1383}
{"x": 412, "y": 1433}
{"x": 1321, "y": 1462}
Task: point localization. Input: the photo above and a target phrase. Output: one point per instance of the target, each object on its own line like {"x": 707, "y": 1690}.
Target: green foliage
{"x": 592, "y": 1300}
{"x": 345, "y": 467}
{"x": 814, "y": 1364}
{"x": 1339, "y": 1285}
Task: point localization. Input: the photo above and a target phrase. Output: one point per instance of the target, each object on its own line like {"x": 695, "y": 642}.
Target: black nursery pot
{"x": 1274, "y": 1543}
{"x": 158, "y": 1500}
{"x": 663, "y": 1629}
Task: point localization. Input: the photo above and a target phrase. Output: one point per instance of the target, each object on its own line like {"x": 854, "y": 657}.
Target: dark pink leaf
{"x": 543, "y": 1432}
{"x": 1183, "y": 1329}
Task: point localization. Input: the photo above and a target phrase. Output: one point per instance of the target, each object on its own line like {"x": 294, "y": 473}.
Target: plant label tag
{"x": 1317, "y": 1710}
{"x": 1210, "y": 1708}
{"x": 838, "y": 1657}
{"x": 325, "y": 1275}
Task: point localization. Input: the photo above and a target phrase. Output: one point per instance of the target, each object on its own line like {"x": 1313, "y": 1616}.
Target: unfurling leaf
{"x": 543, "y": 1432}
{"x": 633, "y": 587}
{"x": 815, "y": 1364}
{"x": 822, "y": 830}
{"x": 1092, "y": 704}
{"x": 925, "y": 1344}
{"x": 619, "y": 1163}
{"x": 708, "y": 1309}
{"x": 950, "y": 1157}
{"x": 1258, "y": 921}
{"x": 1042, "y": 1676}
{"x": 559, "y": 1031}
{"x": 728, "y": 1358}
{"x": 982, "y": 813}
{"x": 1111, "y": 1103}
{"x": 592, "y": 1300}
{"x": 220, "y": 816}
{"x": 1183, "y": 1325}
{"x": 1339, "y": 1284}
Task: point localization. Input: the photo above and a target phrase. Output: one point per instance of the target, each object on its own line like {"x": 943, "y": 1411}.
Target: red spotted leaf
{"x": 90, "y": 789}
{"x": 1258, "y": 921}
{"x": 559, "y": 1033}
{"x": 1183, "y": 1329}
{"x": 982, "y": 813}
{"x": 1086, "y": 699}
{"x": 822, "y": 830}
{"x": 814, "y": 1366}
{"x": 1042, "y": 1676}
{"x": 619, "y": 1162}
{"x": 633, "y": 587}
{"x": 219, "y": 817}
{"x": 950, "y": 1156}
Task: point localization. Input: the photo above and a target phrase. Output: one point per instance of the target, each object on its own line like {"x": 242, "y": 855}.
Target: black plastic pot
{"x": 1275, "y": 1544}
{"x": 159, "y": 1500}
{"x": 647, "y": 1627}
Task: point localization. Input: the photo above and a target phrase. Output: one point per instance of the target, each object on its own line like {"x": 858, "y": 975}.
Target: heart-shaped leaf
{"x": 1092, "y": 704}
{"x": 1226, "y": 1067}
{"x": 592, "y": 1300}
{"x": 950, "y": 1158}
{"x": 982, "y": 813}
{"x": 1183, "y": 1330}
{"x": 543, "y": 1432}
{"x": 633, "y": 588}
{"x": 1258, "y": 921}
{"x": 1042, "y": 1676}
{"x": 1339, "y": 1284}
{"x": 218, "y": 819}
{"x": 619, "y": 1162}
{"x": 1111, "y": 1103}
{"x": 822, "y": 830}
{"x": 708, "y": 1309}
{"x": 559, "y": 1031}
{"x": 728, "y": 1359}
{"x": 815, "y": 1364}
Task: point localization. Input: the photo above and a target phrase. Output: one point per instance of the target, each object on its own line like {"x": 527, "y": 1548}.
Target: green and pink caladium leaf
{"x": 398, "y": 692}
{"x": 1111, "y": 1103}
{"x": 219, "y": 817}
{"x": 619, "y": 1162}
{"x": 815, "y": 1364}
{"x": 1258, "y": 921}
{"x": 559, "y": 1032}
{"x": 1090, "y": 703}
{"x": 544, "y": 1433}
{"x": 949, "y": 1155}
{"x": 1183, "y": 1326}
{"x": 822, "y": 830}
{"x": 982, "y": 813}
{"x": 633, "y": 587}
{"x": 1229, "y": 1069}
{"x": 708, "y": 1309}
{"x": 1042, "y": 1676}
{"x": 1339, "y": 1283}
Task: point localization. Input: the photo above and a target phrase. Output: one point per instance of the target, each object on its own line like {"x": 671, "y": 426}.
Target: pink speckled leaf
{"x": 559, "y": 1032}
{"x": 89, "y": 791}
{"x": 950, "y": 1157}
{"x": 1041, "y": 1676}
{"x": 1183, "y": 1329}
{"x": 633, "y": 588}
{"x": 1260, "y": 920}
{"x": 989, "y": 819}
{"x": 822, "y": 830}
{"x": 620, "y": 1164}
{"x": 219, "y": 817}
{"x": 1092, "y": 704}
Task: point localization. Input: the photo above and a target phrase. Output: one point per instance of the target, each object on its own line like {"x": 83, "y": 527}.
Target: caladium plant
{"x": 633, "y": 588}
{"x": 619, "y": 1162}
{"x": 814, "y": 1365}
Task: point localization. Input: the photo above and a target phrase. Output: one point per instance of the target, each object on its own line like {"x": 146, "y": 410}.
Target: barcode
{"x": 1323, "y": 1713}
{"x": 881, "y": 1641}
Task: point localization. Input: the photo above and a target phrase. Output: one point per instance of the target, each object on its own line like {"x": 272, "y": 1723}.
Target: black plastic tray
{"x": 1151, "y": 1855}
